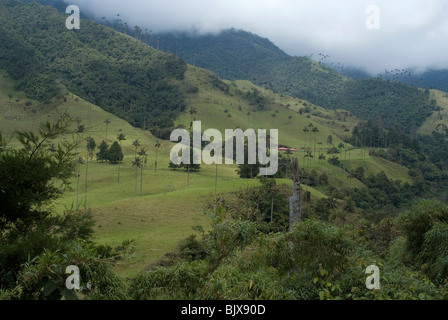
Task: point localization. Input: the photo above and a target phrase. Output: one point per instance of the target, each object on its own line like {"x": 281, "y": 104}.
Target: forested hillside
{"x": 120, "y": 74}
{"x": 231, "y": 54}
{"x": 235, "y": 54}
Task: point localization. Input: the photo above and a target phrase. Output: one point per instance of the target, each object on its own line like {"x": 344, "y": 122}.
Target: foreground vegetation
{"x": 246, "y": 254}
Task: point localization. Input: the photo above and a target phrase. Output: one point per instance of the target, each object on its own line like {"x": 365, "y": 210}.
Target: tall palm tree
{"x": 157, "y": 146}
{"x": 315, "y": 131}
{"x": 331, "y": 204}
{"x": 310, "y": 131}
{"x": 193, "y": 111}
{"x": 309, "y": 156}
{"x": 142, "y": 153}
{"x": 305, "y": 130}
{"x": 107, "y": 122}
{"x": 137, "y": 163}
{"x": 136, "y": 144}
{"x": 121, "y": 137}
{"x": 85, "y": 190}
{"x": 80, "y": 162}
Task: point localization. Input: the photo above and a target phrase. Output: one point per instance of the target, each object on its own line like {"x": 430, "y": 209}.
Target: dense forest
{"x": 139, "y": 85}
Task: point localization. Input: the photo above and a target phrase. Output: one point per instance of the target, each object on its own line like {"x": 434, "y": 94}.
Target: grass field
{"x": 169, "y": 207}
{"x": 438, "y": 121}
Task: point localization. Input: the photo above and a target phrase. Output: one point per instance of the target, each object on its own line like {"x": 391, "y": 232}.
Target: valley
{"x": 372, "y": 165}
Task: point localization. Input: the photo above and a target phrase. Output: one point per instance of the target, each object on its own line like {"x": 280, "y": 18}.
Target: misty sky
{"x": 412, "y": 33}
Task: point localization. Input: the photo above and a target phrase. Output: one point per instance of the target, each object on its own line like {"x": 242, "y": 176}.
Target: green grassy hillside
{"x": 169, "y": 208}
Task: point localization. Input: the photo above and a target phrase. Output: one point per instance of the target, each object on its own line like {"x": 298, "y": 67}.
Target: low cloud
{"x": 412, "y": 33}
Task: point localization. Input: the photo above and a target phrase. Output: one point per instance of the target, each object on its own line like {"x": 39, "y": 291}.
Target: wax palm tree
{"x": 305, "y": 130}
{"x": 193, "y": 111}
{"x": 80, "y": 162}
{"x": 107, "y": 122}
{"x": 157, "y": 146}
{"x": 136, "y": 144}
{"x": 87, "y": 174}
{"x": 315, "y": 131}
{"x": 121, "y": 137}
{"x": 142, "y": 153}
{"x": 137, "y": 163}
{"x": 331, "y": 204}
{"x": 310, "y": 131}
{"x": 309, "y": 155}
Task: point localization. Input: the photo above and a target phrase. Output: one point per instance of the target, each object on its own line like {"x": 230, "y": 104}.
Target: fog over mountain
{"x": 411, "y": 34}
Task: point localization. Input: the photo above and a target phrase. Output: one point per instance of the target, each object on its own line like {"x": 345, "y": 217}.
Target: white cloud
{"x": 413, "y": 33}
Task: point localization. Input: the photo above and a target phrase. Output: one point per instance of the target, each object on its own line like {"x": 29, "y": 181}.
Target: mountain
{"x": 236, "y": 54}
{"x": 355, "y": 175}
{"x": 119, "y": 73}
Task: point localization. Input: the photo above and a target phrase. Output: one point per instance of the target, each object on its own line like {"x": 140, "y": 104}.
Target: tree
{"x": 331, "y": 204}
{"x": 107, "y": 122}
{"x": 142, "y": 153}
{"x": 28, "y": 226}
{"x": 157, "y": 146}
{"x": 248, "y": 171}
{"x": 115, "y": 154}
{"x": 91, "y": 145}
{"x": 89, "y": 151}
{"x": 323, "y": 179}
{"x": 120, "y": 138}
{"x": 103, "y": 153}
{"x": 136, "y": 144}
{"x": 138, "y": 164}
{"x": 193, "y": 111}
{"x": 269, "y": 186}
{"x": 192, "y": 165}
{"x": 334, "y": 161}
{"x": 425, "y": 227}
{"x": 321, "y": 157}
{"x": 308, "y": 155}
{"x": 80, "y": 162}
{"x": 315, "y": 131}
{"x": 295, "y": 201}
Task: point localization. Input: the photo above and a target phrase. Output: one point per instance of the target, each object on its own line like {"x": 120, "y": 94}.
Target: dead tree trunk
{"x": 295, "y": 209}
